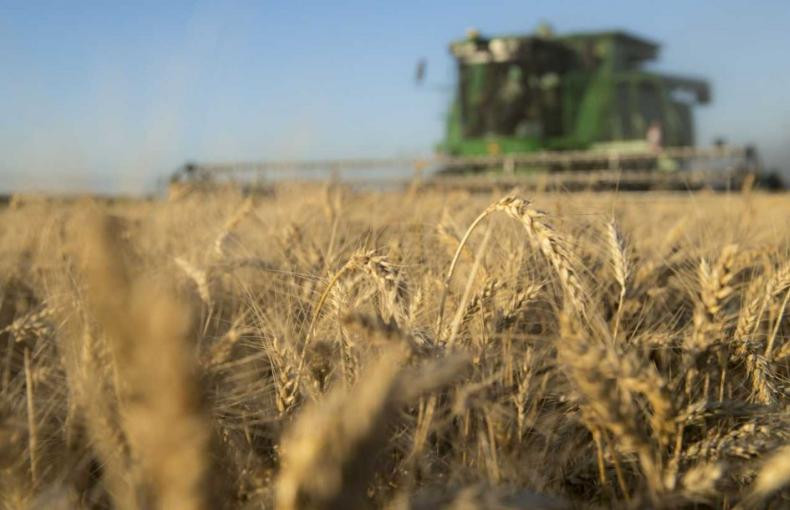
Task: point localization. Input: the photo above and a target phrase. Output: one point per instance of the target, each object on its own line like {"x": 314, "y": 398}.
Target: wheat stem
{"x": 31, "y": 420}
{"x": 772, "y": 338}
{"x": 468, "y": 290}
{"x": 448, "y": 278}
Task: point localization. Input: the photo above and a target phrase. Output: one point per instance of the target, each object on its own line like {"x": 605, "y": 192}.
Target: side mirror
{"x": 420, "y": 71}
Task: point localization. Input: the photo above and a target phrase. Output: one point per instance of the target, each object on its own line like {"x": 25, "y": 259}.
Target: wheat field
{"x": 318, "y": 347}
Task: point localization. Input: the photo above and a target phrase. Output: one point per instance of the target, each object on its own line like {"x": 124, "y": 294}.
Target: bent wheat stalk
{"x": 540, "y": 234}
{"x": 386, "y": 277}
{"x": 449, "y": 276}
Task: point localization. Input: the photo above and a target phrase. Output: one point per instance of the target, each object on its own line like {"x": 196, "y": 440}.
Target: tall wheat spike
{"x": 715, "y": 289}
{"x": 620, "y": 267}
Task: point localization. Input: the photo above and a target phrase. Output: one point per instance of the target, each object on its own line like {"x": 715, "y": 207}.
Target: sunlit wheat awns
{"x": 325, "y": 347}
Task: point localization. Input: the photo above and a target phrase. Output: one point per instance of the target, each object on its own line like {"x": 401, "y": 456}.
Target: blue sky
{"x": 113, "y": 95}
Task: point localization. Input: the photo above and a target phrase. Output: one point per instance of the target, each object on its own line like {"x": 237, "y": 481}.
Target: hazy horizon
{"x": 115, "y": 97}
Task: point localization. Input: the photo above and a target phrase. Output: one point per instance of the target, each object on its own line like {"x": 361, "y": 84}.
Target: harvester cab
{"x": 526, "y": 93}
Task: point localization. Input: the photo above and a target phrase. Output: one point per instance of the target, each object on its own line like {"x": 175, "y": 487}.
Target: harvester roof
{"x": 478, "y": 49}
{"x": 629, "y": 50}
{"x": 639, "y": 44}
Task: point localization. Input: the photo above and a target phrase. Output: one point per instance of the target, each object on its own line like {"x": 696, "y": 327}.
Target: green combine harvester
{"x": 521, "y": 94}
{"x": 579, "y": 107}
{"x": 576, "y": 111}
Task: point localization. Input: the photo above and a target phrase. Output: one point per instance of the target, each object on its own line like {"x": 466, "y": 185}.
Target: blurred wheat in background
{"x": 324, "y": 348}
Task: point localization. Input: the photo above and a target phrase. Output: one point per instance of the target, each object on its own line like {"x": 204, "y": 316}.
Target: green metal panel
{"x": 584, "y": 102}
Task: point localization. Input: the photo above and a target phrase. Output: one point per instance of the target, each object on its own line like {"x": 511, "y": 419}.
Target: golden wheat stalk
{"x": 468, "y": 289}
{"x": 31, "y": 420}
{"x": 714, "y": 290}
{"x": 773, "y": 475}
{"x": 759, "y": 294}
{"x": 160, "y": 409}
{"x": 198, "y": 277}
{"x": 620, "y": 267}
{"x": 233, "y": 221}
{"x": 329, "y": 453}
{"x": 606, "y": 379}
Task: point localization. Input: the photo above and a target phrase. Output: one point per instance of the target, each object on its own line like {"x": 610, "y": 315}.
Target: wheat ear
{"x": 620, "y": 267}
